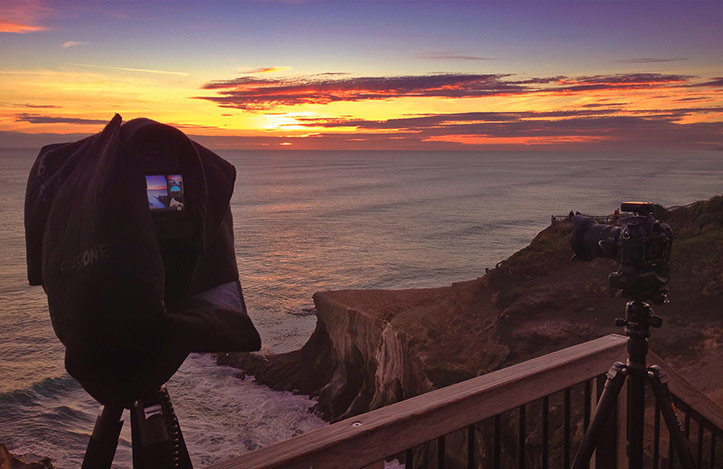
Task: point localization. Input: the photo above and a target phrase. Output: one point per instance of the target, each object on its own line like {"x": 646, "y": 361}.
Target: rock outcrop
{"x": 372, "y": 348}
{"x": 10, "y": 461}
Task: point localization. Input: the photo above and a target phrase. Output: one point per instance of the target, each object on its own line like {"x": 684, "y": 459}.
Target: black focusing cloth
{"x": 132, "y": 291}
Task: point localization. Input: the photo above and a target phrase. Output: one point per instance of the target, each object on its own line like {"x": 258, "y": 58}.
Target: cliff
{"x": 373, "y": 348}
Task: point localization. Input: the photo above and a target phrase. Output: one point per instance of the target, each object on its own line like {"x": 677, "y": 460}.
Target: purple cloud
{"x": 620, "y": 82}
{"x": 650, "y": 60}
{"x": 716, "y": 82}
{"x": 453, "y": 56}
{"x": 38, "y": 119}
{"x": 458, "y": 120}
{"x": 38, "y": 106}
{"x": 650, "y": 127}
{"x": 253, "y": 93}
{"x": 259, "y": 94}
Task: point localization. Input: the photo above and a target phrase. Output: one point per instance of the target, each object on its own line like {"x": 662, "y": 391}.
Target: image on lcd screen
{"x": 165, "y": 192}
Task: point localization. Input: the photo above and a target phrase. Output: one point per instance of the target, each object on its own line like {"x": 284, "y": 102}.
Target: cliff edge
{"x": 375, "y": 347}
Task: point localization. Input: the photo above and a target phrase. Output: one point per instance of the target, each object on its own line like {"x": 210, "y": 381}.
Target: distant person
{"x": 570, "y": 215}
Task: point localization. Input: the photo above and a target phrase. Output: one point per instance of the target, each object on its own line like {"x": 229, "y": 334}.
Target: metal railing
{"x": 702, "y": 425}
{"x": 604, "y": 219}
{"x": 532, "y": 414}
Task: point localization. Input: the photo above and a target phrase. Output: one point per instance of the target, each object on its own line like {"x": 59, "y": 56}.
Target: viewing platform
{"x": 605, "y": 219}
{"x": 529, "y": 415}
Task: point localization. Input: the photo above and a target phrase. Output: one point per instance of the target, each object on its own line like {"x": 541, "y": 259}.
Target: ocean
{"x": 310, "y": 221}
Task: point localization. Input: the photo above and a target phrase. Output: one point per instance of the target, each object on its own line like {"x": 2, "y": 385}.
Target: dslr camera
{"x": 640, "y": 244}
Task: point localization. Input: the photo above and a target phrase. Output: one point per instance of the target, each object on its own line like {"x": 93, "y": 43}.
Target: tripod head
{"x": 639, "y": 318}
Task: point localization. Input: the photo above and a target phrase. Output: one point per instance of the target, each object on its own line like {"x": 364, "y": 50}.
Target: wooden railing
{"x": 468, "y": 424}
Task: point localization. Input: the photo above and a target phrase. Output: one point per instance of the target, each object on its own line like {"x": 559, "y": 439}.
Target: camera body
{"x": 640, "y": 244}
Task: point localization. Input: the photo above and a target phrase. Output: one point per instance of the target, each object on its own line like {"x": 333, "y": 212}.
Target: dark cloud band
{"x": 38, "y": 119}
{"x": 260, "y": 94}
{"x": 251, "y": 93}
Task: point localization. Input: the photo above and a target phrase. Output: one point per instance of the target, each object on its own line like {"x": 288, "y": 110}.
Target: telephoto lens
{"x": 591, "y": 239}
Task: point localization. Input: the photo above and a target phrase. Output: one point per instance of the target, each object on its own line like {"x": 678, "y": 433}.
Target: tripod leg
{"x": 659, "y": 383}
{"x": 637, "y": 374}
{"x": 613, "y": 385}
{"x": 157, "y": 439}
{"x": 104, "y": 440}
{"x": 179, "y": 450}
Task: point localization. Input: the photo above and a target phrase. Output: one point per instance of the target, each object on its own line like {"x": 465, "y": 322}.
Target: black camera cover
{"x": 131, "y": 291}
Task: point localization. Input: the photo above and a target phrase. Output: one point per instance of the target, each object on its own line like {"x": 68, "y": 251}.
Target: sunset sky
{"x": 367, "y": 74}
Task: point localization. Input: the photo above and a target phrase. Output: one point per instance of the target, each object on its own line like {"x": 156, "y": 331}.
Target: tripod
{"x": 156, "y": 435}
{"x": 637, "y": 322}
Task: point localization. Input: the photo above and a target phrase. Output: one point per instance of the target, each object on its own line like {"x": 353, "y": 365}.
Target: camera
{"x": 130, "y": 233}
{"x": 641, "y": 245}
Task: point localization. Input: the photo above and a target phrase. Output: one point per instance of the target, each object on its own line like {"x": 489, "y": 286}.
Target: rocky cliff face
{"x": 373, "y": 348}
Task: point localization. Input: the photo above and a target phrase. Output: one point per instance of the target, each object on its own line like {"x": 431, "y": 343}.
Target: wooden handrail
{"x": 370, "y": 437}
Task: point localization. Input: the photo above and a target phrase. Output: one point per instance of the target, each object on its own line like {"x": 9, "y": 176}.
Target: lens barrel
{"x": 591, "y": 239}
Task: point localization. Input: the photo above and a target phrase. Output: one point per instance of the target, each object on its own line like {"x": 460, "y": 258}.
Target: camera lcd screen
{"x": 165, "y": 192}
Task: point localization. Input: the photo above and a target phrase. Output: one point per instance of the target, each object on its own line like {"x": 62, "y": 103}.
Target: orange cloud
{"x": 488, "y": 140}
{"x": 8, "y": 27}
{"x": 23, "y": 16}
{"x": 268, "y": 70}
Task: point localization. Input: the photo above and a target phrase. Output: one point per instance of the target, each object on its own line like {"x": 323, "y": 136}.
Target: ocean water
{"x": 312, "y": 221}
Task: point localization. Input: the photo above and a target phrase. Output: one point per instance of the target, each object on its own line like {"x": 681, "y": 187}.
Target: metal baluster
{"x": 408, "y": 459}
{"x": 498, "y": 441}
{"x": 656, "y": 437}
{"x": 671, "y": 459}
{"x": 545, "y": 430}
{"x": 712, "y": 448}
{"x": 700, "y": 442}
{"x": 470, "y": 447}
{"x": 588, "y": 403}
{"x": 521, "y": 437}
{"x": 440, "y": 452}
{"x": 566, "y": 431}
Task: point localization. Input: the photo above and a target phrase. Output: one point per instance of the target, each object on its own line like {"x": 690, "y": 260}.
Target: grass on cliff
{"x": 703, "y": 249}
{"x": 553, "y": 240}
